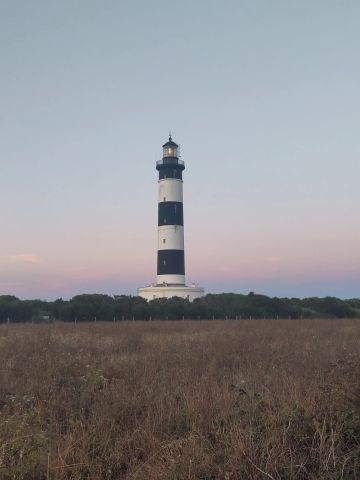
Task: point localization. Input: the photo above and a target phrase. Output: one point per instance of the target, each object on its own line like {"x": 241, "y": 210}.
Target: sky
{"x": 263, "y": 98}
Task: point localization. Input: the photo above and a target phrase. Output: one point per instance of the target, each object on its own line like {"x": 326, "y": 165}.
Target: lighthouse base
{"x": 168, "y": 291}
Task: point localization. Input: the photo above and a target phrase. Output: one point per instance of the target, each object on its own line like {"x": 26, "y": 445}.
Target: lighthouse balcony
{"x": 170, "y": 161}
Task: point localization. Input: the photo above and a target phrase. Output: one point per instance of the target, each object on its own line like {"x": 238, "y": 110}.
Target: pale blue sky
{"x": 263, "y": 98}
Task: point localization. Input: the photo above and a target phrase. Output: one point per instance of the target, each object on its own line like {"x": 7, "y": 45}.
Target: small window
{"x": 164, "y": 241}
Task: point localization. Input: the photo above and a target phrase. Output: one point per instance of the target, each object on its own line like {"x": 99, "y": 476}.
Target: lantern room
{"x": 170, "y": 149}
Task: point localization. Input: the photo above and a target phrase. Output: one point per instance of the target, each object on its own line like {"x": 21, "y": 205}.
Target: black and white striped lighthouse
{"x": 170, "y": 255}
{"x": 170, "y": 280}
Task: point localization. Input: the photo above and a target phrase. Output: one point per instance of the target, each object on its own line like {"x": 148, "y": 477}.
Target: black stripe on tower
{"x": 170, "y": 213}
{"x": 171, "y": 262}
{"x": 170, "y": 172}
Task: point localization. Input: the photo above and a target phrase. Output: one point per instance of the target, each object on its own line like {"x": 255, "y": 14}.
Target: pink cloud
{"x": 24, "y": 258}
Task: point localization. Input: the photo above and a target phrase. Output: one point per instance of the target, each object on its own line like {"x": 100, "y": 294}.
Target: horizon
{"x": 206, "y": 293}
{"x": 264, "y": 101}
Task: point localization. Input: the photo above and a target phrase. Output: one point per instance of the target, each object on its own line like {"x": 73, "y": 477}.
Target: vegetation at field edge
{"x": 220, "y": 306}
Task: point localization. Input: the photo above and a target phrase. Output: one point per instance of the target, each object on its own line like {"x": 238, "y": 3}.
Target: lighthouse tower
{"x": 170, "y": 281}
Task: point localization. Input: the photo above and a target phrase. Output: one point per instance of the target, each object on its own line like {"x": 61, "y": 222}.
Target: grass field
{"x": 181, "y": 400}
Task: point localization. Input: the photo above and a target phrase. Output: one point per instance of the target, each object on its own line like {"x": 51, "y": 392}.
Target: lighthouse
{"x": 170, "y": 280}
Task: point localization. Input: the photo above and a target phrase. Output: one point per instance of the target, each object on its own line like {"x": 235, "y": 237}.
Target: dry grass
{"x": 181, "y": 400}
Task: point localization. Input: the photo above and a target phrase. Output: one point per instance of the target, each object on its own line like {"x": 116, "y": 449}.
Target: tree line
{"x": 98, "y": 307}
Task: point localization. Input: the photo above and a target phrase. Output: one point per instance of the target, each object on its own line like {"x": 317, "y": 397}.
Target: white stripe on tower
{"x": 171, "y": 237}
{"x": 170, "y": 190}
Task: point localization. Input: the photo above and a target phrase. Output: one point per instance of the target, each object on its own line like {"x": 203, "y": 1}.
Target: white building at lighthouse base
{"x": 167, "y": 291}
